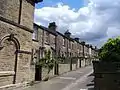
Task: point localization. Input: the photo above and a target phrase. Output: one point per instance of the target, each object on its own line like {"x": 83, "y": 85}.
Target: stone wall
{"x": 40, "y": 37}
{"x": 106, "y": 75}
{"x": 16, "y": 42}
{"x": 64, "y": 68}
{"x": 82, "y": 62}
{"x": 59, "y": 44}
{"x": 78, "y": 63}
{"x": 7, "y": 62}
{"x": 73, "y": 66}
{"x": 27, "y": 14}
{"x": 9, "y": 9}
{"x": 52, "y": 41}
{"x": 8, "y": 56}
{"x": 44, "y": 73}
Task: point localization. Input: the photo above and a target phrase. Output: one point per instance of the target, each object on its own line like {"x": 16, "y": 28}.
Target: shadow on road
{"x": 90, "y": 85}
{"x": 90, "y": 88}
{"x": 92, "y": 74}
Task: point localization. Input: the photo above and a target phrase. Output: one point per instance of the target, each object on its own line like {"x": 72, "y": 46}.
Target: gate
{"x": 38, "y": 69}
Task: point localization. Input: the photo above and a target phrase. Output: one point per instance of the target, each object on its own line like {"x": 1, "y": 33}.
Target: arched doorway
{"x": 9, "y": 47}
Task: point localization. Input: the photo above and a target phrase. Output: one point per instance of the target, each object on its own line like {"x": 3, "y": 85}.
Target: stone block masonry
{"x": 9, "y": 9}
{"x": 19, "y": 52}
{"x": 15, "y": 69}
{"x": 16, "y": 27}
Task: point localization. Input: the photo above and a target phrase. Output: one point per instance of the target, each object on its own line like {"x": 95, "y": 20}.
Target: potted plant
{"x": 107, "y": 69}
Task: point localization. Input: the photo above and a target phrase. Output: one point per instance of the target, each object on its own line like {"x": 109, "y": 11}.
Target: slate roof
{"x": 36, "y": 1}
{"x": 46, "y": 29}
{"x": 65, "y": 36}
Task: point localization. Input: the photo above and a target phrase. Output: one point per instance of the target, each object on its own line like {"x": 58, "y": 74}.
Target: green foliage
{"x": 110, "y": 52}
{"x": 48, "y": 61}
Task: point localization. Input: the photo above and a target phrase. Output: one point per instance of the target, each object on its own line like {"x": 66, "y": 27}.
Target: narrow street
{"x": 80, "y": 79}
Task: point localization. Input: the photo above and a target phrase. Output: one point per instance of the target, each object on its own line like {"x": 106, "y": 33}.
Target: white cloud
{"x": 94, "y": 23}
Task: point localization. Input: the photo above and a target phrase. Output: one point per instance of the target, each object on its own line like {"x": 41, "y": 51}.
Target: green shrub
{"x": 110, "y": 52}
{"x": 47, "y": 61}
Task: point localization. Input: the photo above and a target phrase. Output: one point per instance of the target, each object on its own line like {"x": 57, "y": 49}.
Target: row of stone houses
{"x": 61, "y": 45}
{"x": 16, "y": 28}
{"x": 21, "y": 45}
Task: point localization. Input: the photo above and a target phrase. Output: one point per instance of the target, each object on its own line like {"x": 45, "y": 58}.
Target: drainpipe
{"x": 20, "y": 11}
{"x": 56, "y": 53}
{"x": 42, "y": 43}
{"x": 83, "y": 44}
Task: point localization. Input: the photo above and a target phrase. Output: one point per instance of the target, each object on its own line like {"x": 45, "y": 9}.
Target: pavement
{"x": 81, "y": 79}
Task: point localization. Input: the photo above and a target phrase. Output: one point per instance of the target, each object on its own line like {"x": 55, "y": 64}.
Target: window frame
{"x": 47, "y": 37}
{"x": 35, "y": 33}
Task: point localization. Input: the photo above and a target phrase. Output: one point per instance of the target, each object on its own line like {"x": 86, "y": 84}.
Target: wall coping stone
{"x": 6, "y": 73}
{"x": 13, "y": 86}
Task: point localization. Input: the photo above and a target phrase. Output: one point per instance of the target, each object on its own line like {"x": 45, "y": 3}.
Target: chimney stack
{"x": 95, "y": 47}
{"x": 91, "y": 46}
{"x": 67, "y": 34}
{"x": 52, "y": 26}
{"x": 77, "y": 39}
{"x": 83, "y": 43}
{"x": 88, "y": 45}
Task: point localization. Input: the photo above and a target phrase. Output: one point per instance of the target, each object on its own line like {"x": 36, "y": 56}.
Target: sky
{"x": 71, "y": 3}
{"x": 93, "y": 21}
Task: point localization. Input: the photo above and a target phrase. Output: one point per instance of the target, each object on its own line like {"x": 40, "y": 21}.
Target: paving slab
{"x": 74, "y": 80}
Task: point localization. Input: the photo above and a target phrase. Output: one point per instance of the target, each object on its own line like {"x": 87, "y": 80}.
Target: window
{"x": 53, "y": 40}
{"x": 35, "y": 56}
{"x": 47, "y": 37}
{"x": 35, "y": 33}
{"x": 63, "y": 41}
{"x": 70, "y": 44}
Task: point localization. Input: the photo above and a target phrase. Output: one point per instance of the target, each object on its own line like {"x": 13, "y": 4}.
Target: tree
{"x": 110, "y": 52}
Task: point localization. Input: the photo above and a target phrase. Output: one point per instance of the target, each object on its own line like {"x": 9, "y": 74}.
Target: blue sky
{"x": 72, "y": 3}
{"x": 93, "y": 21}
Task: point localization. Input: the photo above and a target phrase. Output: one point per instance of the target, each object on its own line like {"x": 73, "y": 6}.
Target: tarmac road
{"x": 81, "y": 79}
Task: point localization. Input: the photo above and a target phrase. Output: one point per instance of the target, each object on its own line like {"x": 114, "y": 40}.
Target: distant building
{"x": 61, "y": 45}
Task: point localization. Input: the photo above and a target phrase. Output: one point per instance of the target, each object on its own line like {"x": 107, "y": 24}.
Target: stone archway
{"x": 9, "y": 46}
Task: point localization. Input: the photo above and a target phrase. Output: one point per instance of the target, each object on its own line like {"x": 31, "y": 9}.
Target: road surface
{"x": 80, "y": 79}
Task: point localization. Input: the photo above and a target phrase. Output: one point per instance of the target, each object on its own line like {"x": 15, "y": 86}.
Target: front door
{"x": 38, "y": 69}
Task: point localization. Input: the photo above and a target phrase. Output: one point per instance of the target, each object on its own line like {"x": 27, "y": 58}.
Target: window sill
{"x": 47, "y": 43}
{"x": 35, "y": 40}
{"x": 63, "y": 45}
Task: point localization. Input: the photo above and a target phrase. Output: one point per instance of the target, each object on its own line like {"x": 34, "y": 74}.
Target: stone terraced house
{"x": 43, "y": 39}
{"x": 23, "y": 43}
{"x": 16, "y": 28}
{"x": 61, "y": 45}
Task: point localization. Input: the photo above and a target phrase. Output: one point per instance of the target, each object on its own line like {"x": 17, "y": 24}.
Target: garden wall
{"x": 107, "y": 76}
{"x": 64, "y": 68}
